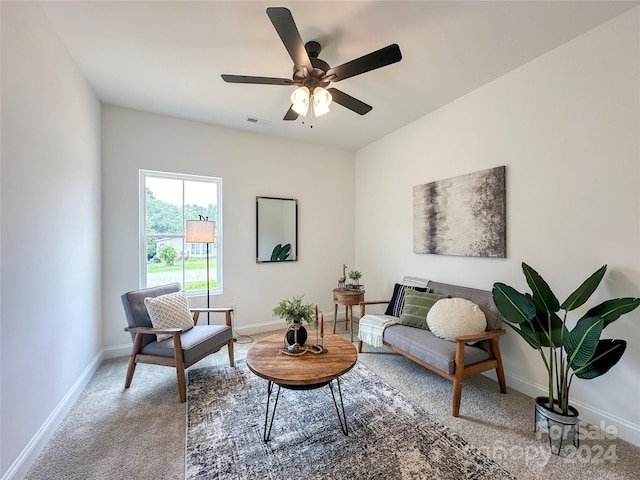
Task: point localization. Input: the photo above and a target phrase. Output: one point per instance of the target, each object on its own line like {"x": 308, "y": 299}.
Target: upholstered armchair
{"x": 177, "y": 346}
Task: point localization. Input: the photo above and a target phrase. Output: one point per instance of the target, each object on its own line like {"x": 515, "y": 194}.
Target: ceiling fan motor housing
{"x": 314, "y": 78}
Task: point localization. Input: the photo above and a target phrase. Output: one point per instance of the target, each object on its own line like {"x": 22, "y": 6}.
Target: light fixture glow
{"x": 321, "y": 101}
{"x": 300, "y": 100}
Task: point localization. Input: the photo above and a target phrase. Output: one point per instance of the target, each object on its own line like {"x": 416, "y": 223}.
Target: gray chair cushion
{"x": 196, "y": 342}
{"x": 425, "y": 346}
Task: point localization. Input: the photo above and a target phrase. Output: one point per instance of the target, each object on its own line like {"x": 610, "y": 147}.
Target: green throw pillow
{"x": 416, "y": 307}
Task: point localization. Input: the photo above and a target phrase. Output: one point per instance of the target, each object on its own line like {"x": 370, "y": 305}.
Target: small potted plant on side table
{"x": 355, "y": 276}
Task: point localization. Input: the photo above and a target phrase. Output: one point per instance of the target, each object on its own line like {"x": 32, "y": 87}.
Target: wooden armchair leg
{"x": 132, "y": 360}
{"x": 231, "y": 359}
{"x": 359, "y": 346}
{"x": 179, "y": 360}
{"x": 130, "y": 371}
{"x": 182, "y": 384}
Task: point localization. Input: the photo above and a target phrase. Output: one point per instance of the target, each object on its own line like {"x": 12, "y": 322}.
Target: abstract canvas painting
{"x": 463, "y": 215}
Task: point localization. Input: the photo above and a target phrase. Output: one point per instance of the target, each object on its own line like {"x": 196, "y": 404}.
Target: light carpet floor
{"x": 139, "y": 433}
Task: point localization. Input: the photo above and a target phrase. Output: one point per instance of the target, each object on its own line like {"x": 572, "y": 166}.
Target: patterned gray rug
{"x": 388, "y": 437}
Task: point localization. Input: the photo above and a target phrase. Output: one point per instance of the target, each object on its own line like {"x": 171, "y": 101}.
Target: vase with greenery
{"x": 294, "y": 312}
{"x": 542, "y": 321}
{"x": 355, "y": 275}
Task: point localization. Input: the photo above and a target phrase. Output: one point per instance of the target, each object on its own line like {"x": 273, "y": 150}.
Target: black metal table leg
{"x": 268, "y": 424}
{"x": 267, "y": 434}
{"x": 341, "y": 418}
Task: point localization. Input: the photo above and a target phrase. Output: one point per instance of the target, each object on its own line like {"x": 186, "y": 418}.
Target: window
{"x": 167, "y": 201}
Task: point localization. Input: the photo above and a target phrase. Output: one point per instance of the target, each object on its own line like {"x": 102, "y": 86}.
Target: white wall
{"x": 567, "y": 127}
{"x": 322, "y": 179}
{"x": 50, "y": 223}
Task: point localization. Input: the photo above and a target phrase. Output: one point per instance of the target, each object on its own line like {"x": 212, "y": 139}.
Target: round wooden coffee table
{"x": 305, "y": 372}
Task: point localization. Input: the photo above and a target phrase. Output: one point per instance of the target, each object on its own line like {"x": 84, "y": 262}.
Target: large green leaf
{"x": 513, "y": 306}
{"x": 581, "y": 342}
{"x": 584, "y": 291}
{"x": 607, "y": 354}
{"x": 527, "y": 334}
{"x": 543, "y": 298}
{"x": 611, "y": 310}
{"x": 549, "y": 329}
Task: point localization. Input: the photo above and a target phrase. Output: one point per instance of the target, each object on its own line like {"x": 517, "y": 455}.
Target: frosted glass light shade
{"x": 300, "y": 100}
{"x": 200, "y": 231}
{"x": 321, "y": 101}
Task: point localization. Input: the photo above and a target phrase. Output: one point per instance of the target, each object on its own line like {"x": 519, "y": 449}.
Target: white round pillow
{"x": 452, "y": 317}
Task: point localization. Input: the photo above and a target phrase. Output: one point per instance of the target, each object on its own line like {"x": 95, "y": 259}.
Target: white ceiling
{"x": 167, "y": 56}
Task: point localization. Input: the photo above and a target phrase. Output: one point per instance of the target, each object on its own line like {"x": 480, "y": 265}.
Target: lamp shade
{"x": 200, "y": 231}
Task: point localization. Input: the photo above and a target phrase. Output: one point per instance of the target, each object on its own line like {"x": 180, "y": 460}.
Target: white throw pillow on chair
{"x": 169, "y": 311}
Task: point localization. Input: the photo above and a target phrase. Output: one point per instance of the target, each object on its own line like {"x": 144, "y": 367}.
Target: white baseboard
{"x": 627, "y": 431}
{"x": 117, "y": 351}
{"x": 256, "y": 328}
{"x": 30, "y": 453}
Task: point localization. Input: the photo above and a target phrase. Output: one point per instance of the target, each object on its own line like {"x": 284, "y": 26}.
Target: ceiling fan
{"x": 312, "y": 75}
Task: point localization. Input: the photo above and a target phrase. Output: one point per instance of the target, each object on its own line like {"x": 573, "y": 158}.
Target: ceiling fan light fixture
{"x": 321, "y": 101}
{"x": 300, "y": 100}
{"x": 312, "y": 72}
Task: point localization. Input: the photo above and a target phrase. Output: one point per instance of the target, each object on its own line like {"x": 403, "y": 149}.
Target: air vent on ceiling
{"x": 258, "y": 121}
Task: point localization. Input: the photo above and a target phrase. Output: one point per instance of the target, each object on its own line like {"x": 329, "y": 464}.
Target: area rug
{"x": 389, "y": 438}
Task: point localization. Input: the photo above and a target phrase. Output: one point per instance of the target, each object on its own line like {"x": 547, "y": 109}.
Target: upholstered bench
{"x": 432, "y": 341}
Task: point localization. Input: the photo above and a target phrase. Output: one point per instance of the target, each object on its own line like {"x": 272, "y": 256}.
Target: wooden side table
{"x": 348, "y": 298}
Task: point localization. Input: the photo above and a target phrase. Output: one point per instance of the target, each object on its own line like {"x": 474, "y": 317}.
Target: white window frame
{"x": 143, "y": 236}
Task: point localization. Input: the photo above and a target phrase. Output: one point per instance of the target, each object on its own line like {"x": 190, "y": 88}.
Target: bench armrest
{"x": 488, "y": 335}
{"x": 363, "y": 305}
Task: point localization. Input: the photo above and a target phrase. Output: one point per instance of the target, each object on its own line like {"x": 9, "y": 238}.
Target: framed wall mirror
{"x": 276, "y": 229}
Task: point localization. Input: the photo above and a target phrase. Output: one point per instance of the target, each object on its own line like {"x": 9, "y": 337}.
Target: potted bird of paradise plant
{"x": 566, "y": 353}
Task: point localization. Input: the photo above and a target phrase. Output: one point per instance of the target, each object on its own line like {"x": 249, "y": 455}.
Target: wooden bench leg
{"x": 457, "y": 396}
{"x": 459, "y": 377}
{"x": 495, "y": 350}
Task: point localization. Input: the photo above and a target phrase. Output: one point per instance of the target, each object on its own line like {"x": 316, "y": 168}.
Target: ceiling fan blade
{"x": 380, "y": 58}
{"x": 291, "y": 114}
{"x": 285, "y": 26}
{"x": 349, "y": 102}
{"x": 257, "y": 80}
